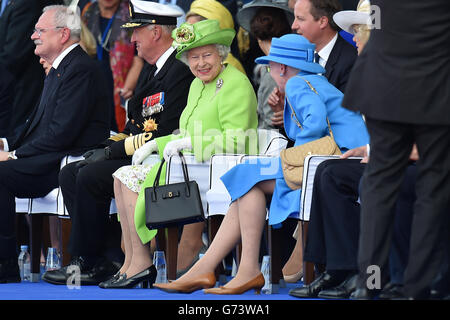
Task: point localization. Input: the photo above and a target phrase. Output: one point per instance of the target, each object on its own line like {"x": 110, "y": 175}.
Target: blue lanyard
{"x": 105, "y": 33}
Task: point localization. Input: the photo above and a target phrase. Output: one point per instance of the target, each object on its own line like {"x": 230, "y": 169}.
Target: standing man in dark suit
{"x": 70, "y": 118}
{"x": 401, "y": 83}
{"x": 154, "y": 111}
{"x": 314, "y": 21}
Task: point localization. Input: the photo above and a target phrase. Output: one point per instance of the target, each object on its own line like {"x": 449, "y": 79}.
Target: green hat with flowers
{"x": 190, "y": 36}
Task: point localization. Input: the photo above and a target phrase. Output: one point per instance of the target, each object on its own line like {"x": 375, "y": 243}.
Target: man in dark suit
{"x": 70, "y": 118}
{"x": 314, "y": 20}
{"x": 400, "y": 82}
{"x": 333, "y": 230}
{"x": 22, "y": 76}
{"x": 153, "y": 111}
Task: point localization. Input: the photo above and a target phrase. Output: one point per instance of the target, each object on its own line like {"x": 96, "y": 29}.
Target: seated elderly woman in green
{"x": 220, "y": 116}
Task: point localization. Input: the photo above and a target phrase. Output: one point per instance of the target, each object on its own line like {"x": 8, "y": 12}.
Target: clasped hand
{"x": 92, "y": 156}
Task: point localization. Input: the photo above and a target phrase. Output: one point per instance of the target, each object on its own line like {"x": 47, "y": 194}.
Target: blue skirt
{"x": 241, "y": 178}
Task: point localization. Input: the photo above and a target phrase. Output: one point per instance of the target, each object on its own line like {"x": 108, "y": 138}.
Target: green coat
{"x": 220, "y": 117}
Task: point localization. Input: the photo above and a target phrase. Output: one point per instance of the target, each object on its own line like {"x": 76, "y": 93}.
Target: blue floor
{"x": 45, "y": 291}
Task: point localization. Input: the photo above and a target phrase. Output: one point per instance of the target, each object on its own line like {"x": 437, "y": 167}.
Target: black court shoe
{"x": 146, "y": 278}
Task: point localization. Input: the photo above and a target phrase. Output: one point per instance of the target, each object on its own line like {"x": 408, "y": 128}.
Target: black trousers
{"x": 17, "y": 184}
{"x": 391, "y": 145}
{"x": 333, "y": 229}
{"x": 87, "y": 193}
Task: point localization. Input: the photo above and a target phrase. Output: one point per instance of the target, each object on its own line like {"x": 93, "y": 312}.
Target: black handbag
{"x": 173, "y": 204}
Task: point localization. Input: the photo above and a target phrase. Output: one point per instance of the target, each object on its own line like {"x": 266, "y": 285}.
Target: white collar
{"x": 162, "y": 60}
{"x": 62, "y": 55}
{"x": 324, "y": 54}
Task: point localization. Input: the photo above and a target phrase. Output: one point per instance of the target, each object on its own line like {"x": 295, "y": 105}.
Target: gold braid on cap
{"x": 135, "y": 142}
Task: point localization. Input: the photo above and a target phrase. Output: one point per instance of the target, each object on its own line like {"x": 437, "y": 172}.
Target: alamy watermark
{"x": 374, "y": 21}
{"x": 74, "y": 280}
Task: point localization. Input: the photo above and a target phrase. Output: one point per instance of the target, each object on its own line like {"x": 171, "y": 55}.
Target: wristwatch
{"x": 11, "y": 155}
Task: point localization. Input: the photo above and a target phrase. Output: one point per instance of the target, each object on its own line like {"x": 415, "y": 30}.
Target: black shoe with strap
{"x": 146, "y": 277}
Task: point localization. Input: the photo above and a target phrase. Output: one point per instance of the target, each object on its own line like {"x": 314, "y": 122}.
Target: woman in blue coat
{"x": 309, "y": 101}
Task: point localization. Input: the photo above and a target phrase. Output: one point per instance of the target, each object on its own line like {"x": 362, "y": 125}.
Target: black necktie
{"x": 43, "y": 101}
{"x": 152, "y": 71}
{"x": 316, "y": 57}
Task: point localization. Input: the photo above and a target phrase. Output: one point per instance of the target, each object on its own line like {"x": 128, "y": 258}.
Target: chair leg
{"x": 308, "y": 267}
{"x": 36, "y": 223}
{"x": 172, "y": 252}
{"x": 161, "y": 240}
{"x": 276, "y": 272}
{"x": 66, "y": 226}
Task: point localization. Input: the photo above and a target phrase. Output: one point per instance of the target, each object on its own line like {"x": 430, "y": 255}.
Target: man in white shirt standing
{"x": 69, "y": 119}
{"x": 314, "y": 20}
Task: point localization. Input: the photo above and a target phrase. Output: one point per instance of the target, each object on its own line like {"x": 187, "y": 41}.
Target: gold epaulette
{"x": 118, "y": 137}
{"x": 134, "y": 142}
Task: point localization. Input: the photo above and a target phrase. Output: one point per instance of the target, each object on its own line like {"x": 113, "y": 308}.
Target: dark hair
{"x": 268, "y": 23}
{"x": 327, "y": 8}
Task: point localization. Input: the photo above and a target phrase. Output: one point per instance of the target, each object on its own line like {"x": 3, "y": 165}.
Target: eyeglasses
{"x": 43, "y": 30}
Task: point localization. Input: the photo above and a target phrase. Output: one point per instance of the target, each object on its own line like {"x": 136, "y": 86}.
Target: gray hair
{"x": 65, "y": 17}
{"x": 223, "y": 51}
{"x": 167, "y": 29}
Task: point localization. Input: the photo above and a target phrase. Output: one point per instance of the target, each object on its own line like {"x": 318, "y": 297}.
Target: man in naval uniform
{"x": 87, "y": 186}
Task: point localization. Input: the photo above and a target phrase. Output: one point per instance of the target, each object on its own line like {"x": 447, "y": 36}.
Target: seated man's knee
{"x": 67, "y": 175}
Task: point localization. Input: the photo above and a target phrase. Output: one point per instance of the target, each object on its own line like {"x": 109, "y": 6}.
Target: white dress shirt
{"x": 162, "y": 60}
{"x": 325, "y": 52}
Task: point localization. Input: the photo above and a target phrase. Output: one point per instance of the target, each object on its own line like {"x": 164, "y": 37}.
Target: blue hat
{"x": 293, "y": 50}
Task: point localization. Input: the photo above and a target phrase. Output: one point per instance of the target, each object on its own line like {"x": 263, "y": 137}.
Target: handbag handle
{"x": 294, "y": 115}
{"x": 185, "y": 174}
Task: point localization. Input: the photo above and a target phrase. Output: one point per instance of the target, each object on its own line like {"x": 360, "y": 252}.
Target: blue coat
{"x": 312, "y": 110}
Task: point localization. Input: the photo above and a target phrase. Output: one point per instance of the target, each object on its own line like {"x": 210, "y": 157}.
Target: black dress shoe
{"x": 392, "y": 291}
{"x": 87, "y": 273}
{"x": 146, "y": 278}
{"x": 342, "y": 291}
{"x": 324, "y": 281}
{"x": 364, "y": 294}
{"x": 9, "y": 270}
{"x": 114, "y": 278}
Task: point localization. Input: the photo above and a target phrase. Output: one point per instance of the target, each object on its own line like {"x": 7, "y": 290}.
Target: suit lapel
{"x": 334, "y": 57}
{"x": 166, "y": 66}
{"x": 48, "y": 89}
{"x": 51, "y": 84}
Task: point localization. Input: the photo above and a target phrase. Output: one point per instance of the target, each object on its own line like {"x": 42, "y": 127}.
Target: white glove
{"x": 174, "y": 146}
{"x": 143, "y": 152}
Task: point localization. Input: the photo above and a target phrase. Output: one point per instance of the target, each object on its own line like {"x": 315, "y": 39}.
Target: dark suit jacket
{"x": 174, "y": 79}
{"x": 340, "y": 63}
{"x": 403, "y": 73}
{"x": 73, "y": 116}
{"x": 17, "y": 56}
